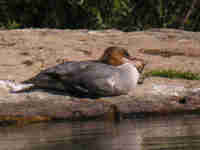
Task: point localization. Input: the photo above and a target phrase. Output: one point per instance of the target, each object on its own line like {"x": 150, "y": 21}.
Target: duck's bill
{"x": 135, "y": 59}
{"x": 138, "y": 62}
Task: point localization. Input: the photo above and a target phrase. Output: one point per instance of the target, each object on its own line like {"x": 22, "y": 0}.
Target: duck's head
{"x": 117, "y": 56}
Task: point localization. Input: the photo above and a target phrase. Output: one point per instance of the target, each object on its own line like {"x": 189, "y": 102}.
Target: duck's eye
{"x": 126, "y": 54}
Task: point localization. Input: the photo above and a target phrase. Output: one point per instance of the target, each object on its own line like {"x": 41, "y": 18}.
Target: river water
{"x": 174, "y": 132}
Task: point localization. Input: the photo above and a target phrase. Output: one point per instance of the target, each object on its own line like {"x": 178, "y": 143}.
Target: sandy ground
{"x": 24, "y": 53}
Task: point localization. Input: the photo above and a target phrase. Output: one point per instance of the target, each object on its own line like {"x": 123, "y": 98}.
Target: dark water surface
{"x": 178, "y": 132}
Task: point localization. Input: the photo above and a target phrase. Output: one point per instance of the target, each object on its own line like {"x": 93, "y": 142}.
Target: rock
{"x": 163, "y": 49}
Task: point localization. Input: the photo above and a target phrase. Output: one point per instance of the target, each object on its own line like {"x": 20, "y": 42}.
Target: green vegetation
{"x": 173, "y": 74}
{"x": 127, "y": 15}
{"x": 12, "y": 25}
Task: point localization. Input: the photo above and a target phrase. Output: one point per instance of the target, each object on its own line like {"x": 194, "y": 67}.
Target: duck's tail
{"x": 12, "y": 86}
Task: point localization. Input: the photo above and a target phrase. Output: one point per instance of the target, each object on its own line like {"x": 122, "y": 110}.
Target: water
{"x": 178, "y": 132}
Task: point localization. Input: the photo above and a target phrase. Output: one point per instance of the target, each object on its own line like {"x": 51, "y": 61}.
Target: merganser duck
{"x": 113, "y": 74}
